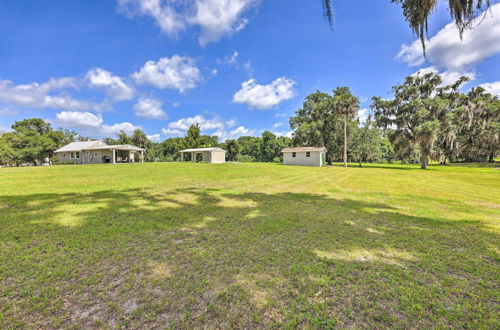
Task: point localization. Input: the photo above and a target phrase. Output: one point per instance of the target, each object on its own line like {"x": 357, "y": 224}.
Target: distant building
{"x": 98, "y": 152}
{"x": 305, "y": 156}
{"x": 210, "y": 155}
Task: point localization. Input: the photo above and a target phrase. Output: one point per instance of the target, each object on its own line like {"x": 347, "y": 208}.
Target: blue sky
{"x": 238, "y": 67}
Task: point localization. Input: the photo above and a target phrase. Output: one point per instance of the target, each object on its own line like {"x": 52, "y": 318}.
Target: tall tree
{"x": 193, "y": 136}
{"x": 7, "y": 153}
{"x": 33, "y": 140}
{"x": 366, "y": 142}
{"x": 346, "y": 105}
{"x": 479, "y": 125}
{"x": 317, "y": 124}
{"x": 250, "y": 146}
{"x": 123, "y": 138}
{"x": 447, "y": 146}
{"x": 232, "y": 149}
{"x": 269, "y": 147}
{"x": 140, "y": 139}
{"x": 415, "y": 112}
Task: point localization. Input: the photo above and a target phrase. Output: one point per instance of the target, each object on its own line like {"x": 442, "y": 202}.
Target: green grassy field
{"x": 249, "y": 245}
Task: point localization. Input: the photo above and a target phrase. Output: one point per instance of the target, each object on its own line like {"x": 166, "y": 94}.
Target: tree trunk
{"x": 345, "y": 140}
{"x": 424, "y": 161}
{"x": 491, "y": 158}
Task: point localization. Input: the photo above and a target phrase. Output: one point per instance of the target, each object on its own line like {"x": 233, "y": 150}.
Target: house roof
{"x": 116, "y": 147}
{"x": 202, "y": 149}
{"x": 96, "y": 145}
{"x": 304, "y": 149}
{"x": 78, "y": 146}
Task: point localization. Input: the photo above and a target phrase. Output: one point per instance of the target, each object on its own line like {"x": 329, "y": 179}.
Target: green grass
{"x": 249, "y": 245}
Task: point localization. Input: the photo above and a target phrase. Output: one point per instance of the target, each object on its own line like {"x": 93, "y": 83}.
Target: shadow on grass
{"x": 405, "y": 167}
{"x": 204, "y": 257}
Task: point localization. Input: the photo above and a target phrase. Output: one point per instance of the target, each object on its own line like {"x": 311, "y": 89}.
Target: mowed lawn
{"x": 249, "y": 245}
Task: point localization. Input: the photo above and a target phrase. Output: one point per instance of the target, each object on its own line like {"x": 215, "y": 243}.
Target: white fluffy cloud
{"x": 283, "y": 133}
{"x": 363, "y": 115}
{"x": 265, "y": 96}
{"x": 75, "y": 119}
{"x": 234, "y": 133}
{"x": 492, "y": 88}
{"x": 8, "y": 111}
{"x": 231, "y": 60}
{"x": 172, "y": 132}
{"x": 127, "y": 127}
{"x": 114, "y": 86}
{"x": 54, "y": 93}
{"x": 176, "y": 72}
{"x": 219, "y": 17}
{"x": 205, "y": 124}
{"x": 35, "y": 95}
{"x": 90, "y": 124}
{"x": 231, "y": 123}
{"x": 149, "y": 108}
{"x": 449, "y": 77}
{"x": 155, "y": 137}
{"x": 214, "y": 126}
{"x": 447, "y": 50}
{"x": 215, "y": 18}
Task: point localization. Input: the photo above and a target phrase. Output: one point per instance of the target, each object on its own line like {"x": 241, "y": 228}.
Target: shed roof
{"x": 304, "y": 149}
{"x": 78, "y": 146}
{"x": 202, "y": 149}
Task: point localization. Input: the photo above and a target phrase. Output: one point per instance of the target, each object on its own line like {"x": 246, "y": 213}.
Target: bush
{"x": 245, "y": 159}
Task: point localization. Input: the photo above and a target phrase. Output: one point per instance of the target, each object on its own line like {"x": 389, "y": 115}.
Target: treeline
{"x": 425, "y": 120}
{"x": 33, "y": 142}
{"x": 422, "y": 121}
{"x": 266, "y": 148}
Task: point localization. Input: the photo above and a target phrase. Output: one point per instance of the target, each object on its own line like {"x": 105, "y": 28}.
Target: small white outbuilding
{"x": 305, "y": 156}
{"x": 210, "y": 155}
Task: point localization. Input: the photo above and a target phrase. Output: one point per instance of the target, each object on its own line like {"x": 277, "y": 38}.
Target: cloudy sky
{"x": 236, "y": 67}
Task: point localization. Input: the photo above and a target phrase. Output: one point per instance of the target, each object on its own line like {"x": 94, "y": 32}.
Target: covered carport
{"x": 210, "y": 155}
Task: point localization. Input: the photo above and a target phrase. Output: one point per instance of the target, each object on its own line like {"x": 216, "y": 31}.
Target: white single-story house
{"x": 305, "y": 156}
{"x": 211, "y": 155}
{"x": 98, "y": 152}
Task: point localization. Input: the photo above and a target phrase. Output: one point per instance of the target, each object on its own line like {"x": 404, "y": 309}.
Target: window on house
{"x": 77, "y": 154}
{"x": 308, "y": 154}
{"x": 64, "y": 155}
{"x": 96, "y": 154}
{"x": 294, "y": 154}
{"x": 72, "y": 155}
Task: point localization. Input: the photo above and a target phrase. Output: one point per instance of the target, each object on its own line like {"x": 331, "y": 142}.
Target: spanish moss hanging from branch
{"x": 417, "y": 13}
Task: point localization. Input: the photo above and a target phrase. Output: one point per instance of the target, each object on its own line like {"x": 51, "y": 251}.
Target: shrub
{"x": 245, "y": 159}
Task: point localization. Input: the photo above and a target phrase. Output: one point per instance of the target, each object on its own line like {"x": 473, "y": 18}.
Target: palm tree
{"x": 417, "y": 13}
{"x": 346, "y": 105}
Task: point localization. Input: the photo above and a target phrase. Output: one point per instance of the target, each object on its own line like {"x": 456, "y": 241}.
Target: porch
{"x": 117, "y": 154}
